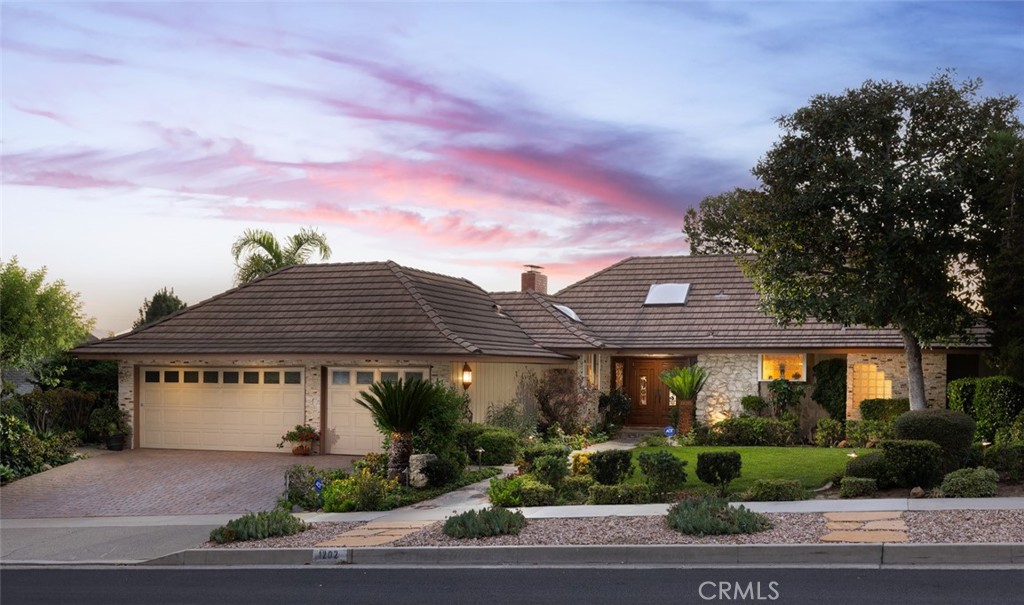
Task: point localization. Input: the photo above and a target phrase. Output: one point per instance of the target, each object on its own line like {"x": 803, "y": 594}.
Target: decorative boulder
{"x": 917, "y": 492}
{"x": 418, "y": 462}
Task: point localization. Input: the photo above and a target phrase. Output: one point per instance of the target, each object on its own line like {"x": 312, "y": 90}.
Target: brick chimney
{"x": 534, "y": 280}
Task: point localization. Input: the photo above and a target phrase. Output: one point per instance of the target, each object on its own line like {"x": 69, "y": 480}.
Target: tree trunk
{"x": 915, "y": 373}
{"x": 398, "y": 456}
{"x": 686, "y": 414}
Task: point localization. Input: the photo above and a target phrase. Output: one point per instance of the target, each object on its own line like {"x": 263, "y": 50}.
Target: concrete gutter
{"x": 771, "y": 555}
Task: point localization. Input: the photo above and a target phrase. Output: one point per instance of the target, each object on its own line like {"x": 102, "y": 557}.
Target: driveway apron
{"x": 153, "y": 482}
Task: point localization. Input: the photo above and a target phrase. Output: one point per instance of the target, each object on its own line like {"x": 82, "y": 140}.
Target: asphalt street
{"x": 454, "y": 586}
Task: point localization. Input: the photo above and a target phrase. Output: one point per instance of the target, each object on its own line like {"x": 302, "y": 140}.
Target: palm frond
{"x": 399, "y": 407}
{"x": 304, "y": 243}
{"x": 686, "y": 382}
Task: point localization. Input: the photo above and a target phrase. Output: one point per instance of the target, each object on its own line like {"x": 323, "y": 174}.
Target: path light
{"x": 480, "y": 457}
{"x": 852, "y": 455}
{"x": 467, "y": 376}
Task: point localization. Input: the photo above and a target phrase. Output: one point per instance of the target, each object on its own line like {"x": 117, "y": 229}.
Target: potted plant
{"x": 301, "y": 438}
{"x": 112, "y": 425}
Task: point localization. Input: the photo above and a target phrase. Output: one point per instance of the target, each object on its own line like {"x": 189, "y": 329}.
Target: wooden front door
{"x": 650, "y": 396}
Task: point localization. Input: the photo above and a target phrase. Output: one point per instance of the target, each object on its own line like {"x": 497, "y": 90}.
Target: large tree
{"x": 163, "y": 303}
{"x": 263, "y": 254}
{"x": 873, "y": 210}
{"x": 38, "y": 320}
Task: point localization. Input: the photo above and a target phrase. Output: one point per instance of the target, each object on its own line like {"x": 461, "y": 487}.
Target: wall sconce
{"x": 467, "y": 376}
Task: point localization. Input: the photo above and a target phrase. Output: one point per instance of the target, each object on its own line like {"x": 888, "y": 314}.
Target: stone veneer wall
{"x": 311, "y": 375}
{"x": 732, "y": 375}
{"x": 894, "y": 364}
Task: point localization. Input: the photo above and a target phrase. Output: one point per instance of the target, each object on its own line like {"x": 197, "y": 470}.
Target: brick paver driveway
{"x": 156, "y": 482}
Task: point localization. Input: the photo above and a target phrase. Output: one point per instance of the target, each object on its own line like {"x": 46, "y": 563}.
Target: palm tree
{"x": 685, "y": 384}
{"x": 265, "y": 253}
{"x": 398, "y": 408}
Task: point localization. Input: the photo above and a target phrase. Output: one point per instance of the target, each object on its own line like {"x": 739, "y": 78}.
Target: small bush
{"x": 258, "y": 526}
{"x": 362, "y": 491}
{"x": 535, "y": 493}
{"x": 754, "y": 405}
{"x": 869, "y": 466}
{"x": 24, "y": 453}
{"x": 513, "y": 417}
{"x": 910, "y": 463}
{"x": 551, "y": 470}
{"x": 506, "y": 491}
{"x": 1007, "y": 459}
{"x": 574, "y": 490}
{"x": 501, "y": 446}
{"x": 775, "y": 490}
{"x": 997, "y": 401}
{"x": 375, "y": 463}
{"x": 867, "y": 433}
{"x": 300, "y": 484}
{"x": 719, "y": 469}
{"x": 977, "y": 482}
{"x": 960, "y": 395}
{"x": 857, "y": 487}
{"x": 749, "y": 430}
{"x": 614, "y": 407}
{"x": 884, "y": 410}
{"x": 579, "y": 465}
{"x": 627, "y": 493}
{"x": 475, "y": 524}
{"x": 1013, "y": 433}
{"x": 442, "y": 471}
{"x": 532, "y": 452}
{"x": 714, "y": 516}
{"x": 654, "y": 441}
{"x": 665, "y": 473}
{"x": 828, "y": 432}
{"x": 953, "y": 431}
{"x": 611, "y": 466}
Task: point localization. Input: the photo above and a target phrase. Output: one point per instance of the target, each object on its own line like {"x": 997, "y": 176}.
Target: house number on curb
{"x": 330, "y": 555}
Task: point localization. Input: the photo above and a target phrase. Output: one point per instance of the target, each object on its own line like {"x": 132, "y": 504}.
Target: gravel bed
{"x": 786, "y": 529}
{"x": 965, "y": 526}
{"x": 317, "y": 533}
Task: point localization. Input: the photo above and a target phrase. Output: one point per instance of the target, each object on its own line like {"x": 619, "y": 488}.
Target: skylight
{"x": 567, "y": 312}
{"x": 667, "y": 294}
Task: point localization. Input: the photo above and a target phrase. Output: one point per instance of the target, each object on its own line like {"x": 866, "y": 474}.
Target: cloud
{"x": 60, "y": 55}
{"x": 44, "y": 113}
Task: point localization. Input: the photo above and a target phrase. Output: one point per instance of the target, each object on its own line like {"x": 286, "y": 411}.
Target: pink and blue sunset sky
{"x": 140, "y": 139}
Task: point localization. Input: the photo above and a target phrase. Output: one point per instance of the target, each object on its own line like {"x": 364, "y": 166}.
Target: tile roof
{"x": 547, "y": 325}
{"x": 350, "y": 308}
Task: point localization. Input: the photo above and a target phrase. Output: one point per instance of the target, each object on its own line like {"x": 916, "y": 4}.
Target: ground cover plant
{"x": 496, "y": 521}
{"x": 714, "y": 516}
{"x": 258, "y": 526}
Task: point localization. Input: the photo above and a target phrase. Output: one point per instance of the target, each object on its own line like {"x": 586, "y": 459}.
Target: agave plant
{"x": 685, "y": 384}
{"x": 398, "y": 408}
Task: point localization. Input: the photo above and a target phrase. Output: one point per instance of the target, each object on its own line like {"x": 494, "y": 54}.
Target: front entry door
{"x": 651, "y": 399}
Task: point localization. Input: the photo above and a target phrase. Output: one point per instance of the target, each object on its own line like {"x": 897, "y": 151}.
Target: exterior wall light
{"x": 467, "y": 376}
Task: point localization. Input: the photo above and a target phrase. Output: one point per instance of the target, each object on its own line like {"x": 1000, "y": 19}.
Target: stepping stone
{"x": 863, "y": 516}
{"x": 895, "y": 524}
{"x": 414, "y": 525}
{"x": 357, "y": 541}
{"x": 834, "y": 525}
{"x": 865, "y": 536}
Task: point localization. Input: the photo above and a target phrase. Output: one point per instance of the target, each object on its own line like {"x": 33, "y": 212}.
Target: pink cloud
{"x": 59, "y": 55}
{"x": 43, "y": 113}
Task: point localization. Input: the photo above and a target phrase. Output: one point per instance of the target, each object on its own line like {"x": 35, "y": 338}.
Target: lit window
{"x": 791, "y": 366}
{"x": 870, "y": 383}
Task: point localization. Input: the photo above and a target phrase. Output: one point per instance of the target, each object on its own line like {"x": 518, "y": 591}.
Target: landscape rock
{"x": 917, "y": 492}
{"x": 418, "y": 462}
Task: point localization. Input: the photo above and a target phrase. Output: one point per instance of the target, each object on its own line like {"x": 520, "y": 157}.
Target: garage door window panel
{"x": 271, "y": 378}
{"x": 230, "y": 377}
{"x": 251, "y": 377}
{"x": 191, "y": 377}
{"x": 211, "y": 377}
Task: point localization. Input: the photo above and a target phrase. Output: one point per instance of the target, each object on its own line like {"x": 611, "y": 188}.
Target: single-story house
{"x": 236, "y": 371}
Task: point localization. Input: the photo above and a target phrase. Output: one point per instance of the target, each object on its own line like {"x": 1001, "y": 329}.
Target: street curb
{"x": 817, "y": 555}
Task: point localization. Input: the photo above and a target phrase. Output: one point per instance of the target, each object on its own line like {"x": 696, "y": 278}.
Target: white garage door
{"x": 243, "y": 409}
{"x": 350, "y": 428}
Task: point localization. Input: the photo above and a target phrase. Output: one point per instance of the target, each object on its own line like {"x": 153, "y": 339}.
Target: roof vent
{"x": 567, "y": 312}
{"x": 667, "y": 294}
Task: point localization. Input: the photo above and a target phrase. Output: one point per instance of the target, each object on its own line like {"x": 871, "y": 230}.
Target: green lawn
{"x": 812, "y": 466}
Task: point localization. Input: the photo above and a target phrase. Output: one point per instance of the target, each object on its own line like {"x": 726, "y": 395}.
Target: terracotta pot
{"x": 302, "y": 449}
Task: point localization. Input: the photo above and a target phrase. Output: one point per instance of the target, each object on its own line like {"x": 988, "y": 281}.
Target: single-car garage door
{"x": 243, "y": 409}
{"x": 350, "y": 428}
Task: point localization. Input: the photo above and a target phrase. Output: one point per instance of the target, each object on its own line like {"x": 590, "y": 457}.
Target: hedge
{"x": 952, "y": 431}
{"x": 885, "y": 410}
{"x": 997, "y": 401}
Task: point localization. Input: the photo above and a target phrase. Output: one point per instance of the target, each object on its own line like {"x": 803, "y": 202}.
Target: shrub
{"x": 535, "y": 493}
{"x": 362, "y": 491}
{"x": 857, "y": 487}
{"x": 109, "y": 421}
{"x": 579, "y": 465}
{"x": 869, "y": 466}
{"x": 551, "y": 470}
{"x": 1007, "y": 459}
{"x": 611, "y": 466}
{"x": 437, "y": 433}
{"x": 627, "y": 493}
{"x": 830, "y": 387}
{"x": 714, "y": 516}
{"x": 754, "y": 405}
{"x": 300, "y": 488}
{"x": 506, "y": 491}
{"x": 1013, "y": 433}
{"x": 960, "y": 395}
{"x": 775, "y": 490}
{"x": 565, "y": 398}
{"x": 466, "y": 434}
{"x": 718, "y": 469}
{"x": 784, "y": 396}
{"x": 258, "y": 526}
{"x": 977, "y": 482}
{"x": 828, "y": 432}
{"x": 654, "y": 441}
{"x": 475, "y": 524}
{"x": 614, "y": 407}
{"x": 501, "y": 446}
{"x": 442, "y": 471}
{"x": 665, "y": 473}
{"x": 884, "y": 410}
{"x": 912, "y": 463}
{"x": 574, "y": 490}
{"x": 512, "y": 416}
{"x": 24, "y": 453}
{"x": 997, "y": 401}
{"x": 867, "y": 433}
{"x": 532, "y": 452}
{"x": 953, "y": 431}
{"x": 749, "y": 430}
{"x": 375, "y": 463}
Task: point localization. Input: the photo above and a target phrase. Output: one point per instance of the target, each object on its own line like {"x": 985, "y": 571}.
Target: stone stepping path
{"x": 865, "y": 527}
{"x": 375, "y": 533}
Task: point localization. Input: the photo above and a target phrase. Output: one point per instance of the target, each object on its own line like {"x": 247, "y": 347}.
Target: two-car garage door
{"x": 244, "y": 409}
